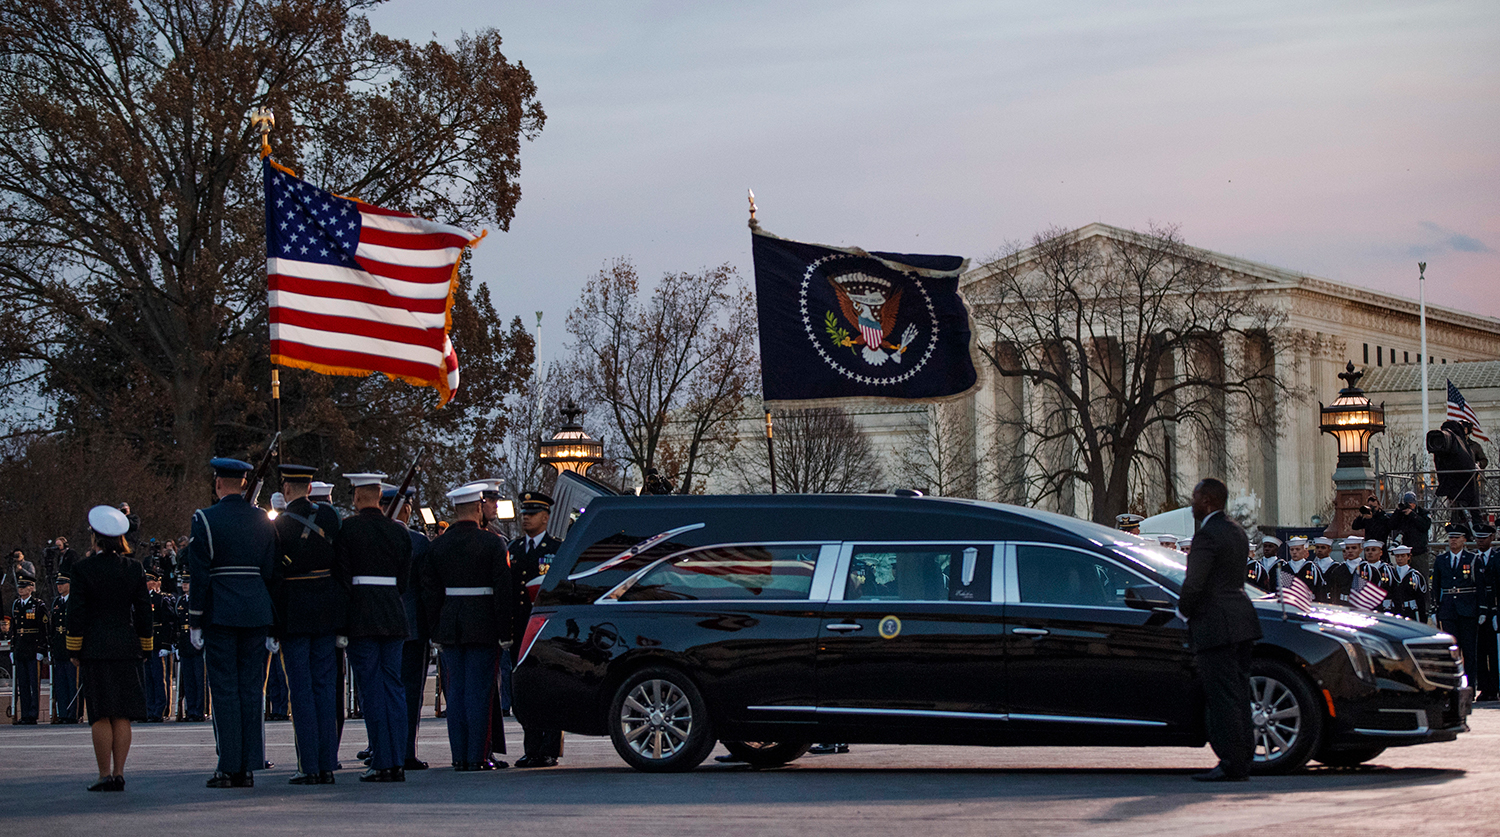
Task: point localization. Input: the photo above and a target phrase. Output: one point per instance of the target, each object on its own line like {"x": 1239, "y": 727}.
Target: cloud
{"x": 1447, "y": 240}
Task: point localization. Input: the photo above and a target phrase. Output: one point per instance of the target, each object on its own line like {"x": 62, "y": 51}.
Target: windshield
{"x": 1166, "y": 562}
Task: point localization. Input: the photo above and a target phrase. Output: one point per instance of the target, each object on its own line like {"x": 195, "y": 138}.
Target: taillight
{"x": 533, "y": 628}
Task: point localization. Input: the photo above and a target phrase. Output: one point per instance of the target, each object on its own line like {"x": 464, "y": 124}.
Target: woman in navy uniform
{"x": 374, "y": 558}
{"x": 311, "y": 608}
{"x": 109, "y": 633}
{"x": 231, "y": 555}
{"x": 466, "y": 590}
{"x": 1409, "y": 587}
{"x": 531, "y": 555}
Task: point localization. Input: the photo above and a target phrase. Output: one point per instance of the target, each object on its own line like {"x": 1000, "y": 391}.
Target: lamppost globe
{"x": 571, "y": 448}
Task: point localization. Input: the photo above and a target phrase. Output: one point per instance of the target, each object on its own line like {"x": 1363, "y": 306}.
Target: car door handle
{"x": 1030, "y": 631}
{"x": 844, "y": 626}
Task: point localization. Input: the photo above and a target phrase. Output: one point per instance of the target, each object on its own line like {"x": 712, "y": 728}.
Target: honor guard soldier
{"x": 1354, "y": 558}
{"x": 64, "y": 671}
{"x": 311, "y": 608}
{"x": 1261, "y": 572}
{"x": 1458, "y": 593}
{"x": 232, "y": 553}
{"x": 28, "y": 649}
{"x": 1487, "y": 571}
{"x": 374, "y": 558}
{"x": 1409, "y": 587}
{"x": 1301, "y": 565}
{"x": 1166, "y": 540}
{"x": 1376, "y": 571}
{"x": 414, "y": 650}
{"x": 156, "y": 669}
{"x": 192, "y": 677}
{"x": 466, "y": 590}
{"x": 1335, "y": 589}
{"x": 320, "y": 492}
{"x": 531, "y": 555}
{"x": 1129, "y": 523}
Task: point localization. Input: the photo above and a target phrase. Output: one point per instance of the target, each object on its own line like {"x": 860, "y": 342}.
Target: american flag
{"x": 1291, "y": 589}
{"x": 1459, "y": 410}
{"x": 354, "y": 288}
{"x": 1366, "y": 595}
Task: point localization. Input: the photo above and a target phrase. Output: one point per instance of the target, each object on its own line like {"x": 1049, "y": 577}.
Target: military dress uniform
{"x": 530, "y": 558}
{"x": 1457, "y": 587}
{"x": 1257, "y": 575}
{"x": 311, "y": 608}
{"x": 1336, "y": 579}
{"x": 192, "y": 676}
{"x": 65, "y": 698}
{"x": 374, "y": 558}
{"x": 28, "y": 651}
{"x": 232, "y": 554}
{"x": 156, "y": 669}
{"x": 1379, "y": 574}
{"x": 466, "y": 590}
{"x": 1487, "y": 570}
{"x": 1408, "y": 590}
{"x": 1307, "y": 570}
{"x": 414, "y": 651}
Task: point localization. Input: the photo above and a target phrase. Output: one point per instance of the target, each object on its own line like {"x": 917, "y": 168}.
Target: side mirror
{"x": 1148, "y": 597}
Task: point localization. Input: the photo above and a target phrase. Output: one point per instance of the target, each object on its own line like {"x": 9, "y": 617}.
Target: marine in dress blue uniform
{"x": 311, "y": 608}
{"x": 1458, "y": 593}
{"x": 192, "y": 675}
{"x": 530, "y": 557}
{"x": 231, "y": 556}
{"x": 374, "y": 558}
{"x": 414, "y": 651}
{"x": 65, "y": 699}
{"x": 28, "y": 648}
{"x": 1487, "y": 571}
{"x": 466, "y": 591}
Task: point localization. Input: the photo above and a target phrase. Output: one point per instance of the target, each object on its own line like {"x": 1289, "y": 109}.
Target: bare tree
{"x": 942, "y": 454}
{"x": 670, "y": 372}
{"x": 1113, "y": 338}
{"x": 818, "y": 451}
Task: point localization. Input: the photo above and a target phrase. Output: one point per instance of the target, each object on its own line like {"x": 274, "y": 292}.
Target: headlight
{"x": 1363, "y": 648}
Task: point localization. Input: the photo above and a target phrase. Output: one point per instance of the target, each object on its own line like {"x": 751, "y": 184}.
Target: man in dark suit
{"x": 1222, "y": 629}
{"x": 231, "y": 555}
{"x": 531, "y": 555}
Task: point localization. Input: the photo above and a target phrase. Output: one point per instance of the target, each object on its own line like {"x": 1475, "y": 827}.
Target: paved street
{"x": 873, "y": 791}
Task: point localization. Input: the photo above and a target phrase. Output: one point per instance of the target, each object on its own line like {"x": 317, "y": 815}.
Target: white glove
{"x": 41, "y": 657}
{"x": 165, "y": 652}
{"x": 272, "y": 645}
{"x": 437, "y": 647}
{"x": 506, "y": 644}
{"x": 341, "y": 642}
{"x": 195, "y": 636}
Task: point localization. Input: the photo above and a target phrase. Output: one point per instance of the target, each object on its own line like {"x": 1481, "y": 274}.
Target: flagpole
{"x": 263, "y": 120}
{"x": 771, "y": 451}
{"x": 1422, "y": 358}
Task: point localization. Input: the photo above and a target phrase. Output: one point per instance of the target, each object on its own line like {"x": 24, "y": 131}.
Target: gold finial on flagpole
{"x": 263, "y": 120}
{"x": 754, "y": 224}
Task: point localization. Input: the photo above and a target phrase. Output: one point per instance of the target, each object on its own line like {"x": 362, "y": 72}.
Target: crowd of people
{"x": 251, "y": 604}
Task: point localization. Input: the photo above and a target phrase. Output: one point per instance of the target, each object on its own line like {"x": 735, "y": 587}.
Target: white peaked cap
{"x": 469, "y": 492}
{"x": 108, "y": 521}
{"x": 360, "y": 480}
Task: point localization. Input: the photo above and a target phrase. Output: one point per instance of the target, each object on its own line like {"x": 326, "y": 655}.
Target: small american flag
{"x": 1366, "y": 595}
{"x": 353, "y": 288}
{"x": 1459, "y": 410}
{"x": 1291, "y": 589}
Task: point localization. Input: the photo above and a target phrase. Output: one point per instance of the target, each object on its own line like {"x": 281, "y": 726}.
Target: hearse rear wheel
{"x": 659, "y": 722}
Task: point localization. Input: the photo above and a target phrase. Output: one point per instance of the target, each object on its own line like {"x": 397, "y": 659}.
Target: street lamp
{"x": 1351, "y": 420}
{"x": 570, "y": 448}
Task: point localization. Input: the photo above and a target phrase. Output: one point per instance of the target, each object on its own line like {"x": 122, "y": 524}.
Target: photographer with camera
{"x": 1373, "y": 521}
{"x": 1412, "y": 526}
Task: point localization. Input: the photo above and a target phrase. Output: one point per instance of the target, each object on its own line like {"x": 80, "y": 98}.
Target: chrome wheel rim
{"x": 656, "y": 719}
{"x": 1277, "y": 716}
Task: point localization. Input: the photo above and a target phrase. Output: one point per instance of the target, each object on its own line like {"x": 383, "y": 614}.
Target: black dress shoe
{"x": 414, "y": 764}
{"x": 246, "y": 779}
{"x": 303, "y": 779}
{"x": 106, "y": 783}
{"x": 374, "y": 775}
{"x": 1218, "y": 775}
{"x": 398, "y": 774}
{"x": 220, "y": 780}
{"x": 119, "y": 784}
{"x": 536, "y": 761}
{"x": 325, "y": 778}
{"x": 364, "y": 755}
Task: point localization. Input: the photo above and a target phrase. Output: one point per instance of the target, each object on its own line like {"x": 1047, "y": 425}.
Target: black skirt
{"x": 113, "y": 689}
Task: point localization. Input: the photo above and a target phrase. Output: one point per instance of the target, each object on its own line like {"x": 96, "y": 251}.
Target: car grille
{"x": 1438, "y": 662}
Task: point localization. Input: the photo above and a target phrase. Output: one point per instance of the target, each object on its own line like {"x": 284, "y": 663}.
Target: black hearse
{"x": 768, "y": 622}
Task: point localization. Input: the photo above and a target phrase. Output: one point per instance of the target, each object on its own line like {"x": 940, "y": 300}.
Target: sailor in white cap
{"x": 1260, "y": 569}
{"x": 1409, "y": 587}
{"x": 1299, "y": 564}
{"x": 1167, "y": 540}
{"x": 373, "y": 556}
{"x": 1375, "y": 570}
{"x": 1335, "y": 575}
{"x": 320, "y": 492}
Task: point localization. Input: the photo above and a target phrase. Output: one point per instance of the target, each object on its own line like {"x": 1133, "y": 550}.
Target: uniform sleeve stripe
{"x": 148, "y": 643}
{"x": 75, "y": 643}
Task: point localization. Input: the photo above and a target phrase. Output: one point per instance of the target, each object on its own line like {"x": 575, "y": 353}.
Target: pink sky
{"x": 1348, "y": 142}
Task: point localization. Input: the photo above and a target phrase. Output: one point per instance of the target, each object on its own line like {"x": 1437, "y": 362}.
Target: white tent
{"x": 1177, "y": 522}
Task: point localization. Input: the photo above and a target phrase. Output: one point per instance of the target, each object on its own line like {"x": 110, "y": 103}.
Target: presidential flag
{"x": 1459, "y": 410}
{"x": 355, "y": 289}
{"x": 1366, "y": 595}
{"x": 840, "y": 325}
{"x": 1291, "y": 589}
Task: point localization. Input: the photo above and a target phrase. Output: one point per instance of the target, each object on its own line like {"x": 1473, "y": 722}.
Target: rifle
{"x": 400, "y": 501}
{"x": 258, "y": 476}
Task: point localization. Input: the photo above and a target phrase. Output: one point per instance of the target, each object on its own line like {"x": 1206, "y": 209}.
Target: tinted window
{"x": 920, "y": 573}
{"x": 730, "y": 572}
{"x": 1053, "y": 575}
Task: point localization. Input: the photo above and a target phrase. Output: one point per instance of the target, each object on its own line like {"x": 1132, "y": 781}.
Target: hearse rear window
{"x": 730, "y": 572}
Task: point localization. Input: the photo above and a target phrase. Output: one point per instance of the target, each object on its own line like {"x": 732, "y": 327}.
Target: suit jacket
{"x": 526, "y": 564}
{"x": 1213, "y": 594}
{"x": 309, "y": 599}
{"x": 109, "y": 609}
{"x": 231, "y": 554}
{"x": 469, "y": 557}
{"x": 374, "y": 546}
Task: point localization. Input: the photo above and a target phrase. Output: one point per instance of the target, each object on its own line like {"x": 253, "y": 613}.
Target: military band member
{"x": 157, "y": 668}
{"x": 414, "y": 650}
{"x": 65, "y": 698}
{"x": 1129, "y": 523}
{"x": 374, "y": 558}
{"x": 1409, "y": 587}
{"x": 28, "y": 649}
{"x": 192, "y": 675}
{"x": 1458, "y": 591}
{"x": 1301, "y": 565}
{"x": 231, "y": 555}
{"x": 466, "y": 590}
{"x": 531, "y": 555}
{"x": 1487, "y": 571}
{"x": 311, "y": 608}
